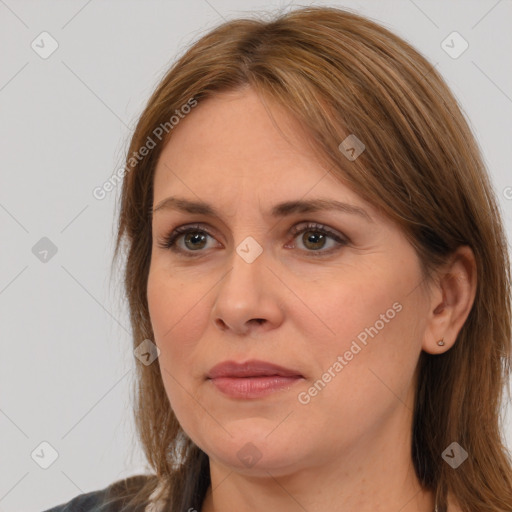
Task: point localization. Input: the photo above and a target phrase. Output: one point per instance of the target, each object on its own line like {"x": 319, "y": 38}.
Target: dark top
{"x": 97, "y": 501}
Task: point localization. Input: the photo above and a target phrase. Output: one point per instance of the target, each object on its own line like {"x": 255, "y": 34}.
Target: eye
{"x": 315, "y": 236}
{"x": 195, "y": 238}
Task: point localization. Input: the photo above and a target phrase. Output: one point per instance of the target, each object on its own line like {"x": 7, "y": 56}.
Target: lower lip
{"x": 253, "y": 387}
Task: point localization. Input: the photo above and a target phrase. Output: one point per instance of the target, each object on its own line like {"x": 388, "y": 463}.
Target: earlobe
{"x": 452, "y": 301}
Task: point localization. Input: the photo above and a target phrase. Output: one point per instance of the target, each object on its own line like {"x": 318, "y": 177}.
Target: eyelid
{"x": 304, "y": 226}
{"x": 312, "y": 225}
{"x": 169, "y": 241}
{"x": 170, "y": 238}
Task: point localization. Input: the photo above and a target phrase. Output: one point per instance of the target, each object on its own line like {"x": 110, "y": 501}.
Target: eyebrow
{"x": 279, "y": 210}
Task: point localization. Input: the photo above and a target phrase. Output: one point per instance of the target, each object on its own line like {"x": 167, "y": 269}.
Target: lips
{"x": 252, "y": 368}
{"x": 252, "y": 379}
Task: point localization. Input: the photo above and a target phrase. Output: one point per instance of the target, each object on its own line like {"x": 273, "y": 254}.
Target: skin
{"x": 349, "y": 447}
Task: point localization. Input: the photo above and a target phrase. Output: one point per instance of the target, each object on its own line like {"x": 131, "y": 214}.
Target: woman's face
{"x": 331, "y": 294}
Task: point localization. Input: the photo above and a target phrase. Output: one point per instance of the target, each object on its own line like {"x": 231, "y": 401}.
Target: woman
{"x": 317, "y": 266}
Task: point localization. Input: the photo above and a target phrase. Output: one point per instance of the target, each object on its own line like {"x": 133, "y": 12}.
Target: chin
{"x": 254, "y": 449}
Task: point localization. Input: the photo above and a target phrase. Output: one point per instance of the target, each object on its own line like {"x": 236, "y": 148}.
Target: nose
{"x": 248, "y": 298}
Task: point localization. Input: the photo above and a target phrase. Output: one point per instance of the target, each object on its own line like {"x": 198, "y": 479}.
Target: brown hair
{"x": 339, "y": 73}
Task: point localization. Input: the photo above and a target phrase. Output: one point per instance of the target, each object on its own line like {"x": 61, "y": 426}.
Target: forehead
{"x": 237, "y": 129}
{"x": 229, "y": 149}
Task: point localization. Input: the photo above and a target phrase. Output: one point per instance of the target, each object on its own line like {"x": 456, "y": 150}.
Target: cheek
{"x": 178, "y": 319}
{"x": 178, "y": 316}
{"x": 342, "y": 311}
{"x": 376, "y": 336}
{"x": 372, "y": 325}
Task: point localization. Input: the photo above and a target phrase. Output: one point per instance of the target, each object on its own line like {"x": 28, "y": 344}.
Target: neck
{"x": 302, "y": 493}
{"x": 379, "y": 477}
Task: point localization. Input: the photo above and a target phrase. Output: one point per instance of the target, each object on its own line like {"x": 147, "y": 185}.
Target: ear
{"x": 451, "y": 300}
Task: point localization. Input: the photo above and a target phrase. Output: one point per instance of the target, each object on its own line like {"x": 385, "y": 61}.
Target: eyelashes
{"x": 169, "y": 241}
{"x": 199, "y": 233}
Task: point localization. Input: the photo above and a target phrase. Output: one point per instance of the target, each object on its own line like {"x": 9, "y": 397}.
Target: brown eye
{"x": 315, "y": 238}
{"x": 195, "y": 240}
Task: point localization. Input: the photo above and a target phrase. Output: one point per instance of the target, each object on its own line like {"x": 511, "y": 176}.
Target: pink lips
{"x": 252, "y": 379}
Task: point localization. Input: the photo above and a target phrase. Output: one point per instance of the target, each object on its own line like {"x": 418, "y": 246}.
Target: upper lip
{"x": 252, "y": 368}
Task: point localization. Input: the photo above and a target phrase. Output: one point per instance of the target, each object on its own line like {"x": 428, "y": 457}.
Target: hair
{"x": 338, "y": 73}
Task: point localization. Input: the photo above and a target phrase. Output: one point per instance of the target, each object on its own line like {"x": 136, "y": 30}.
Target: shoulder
{"x": 108, "y": 499}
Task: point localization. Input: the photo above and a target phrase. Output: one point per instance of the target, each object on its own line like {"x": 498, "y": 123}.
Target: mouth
{"x": 252, "y": 379}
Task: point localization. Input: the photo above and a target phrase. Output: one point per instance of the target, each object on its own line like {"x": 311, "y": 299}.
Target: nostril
{"x": 221, "y": 323}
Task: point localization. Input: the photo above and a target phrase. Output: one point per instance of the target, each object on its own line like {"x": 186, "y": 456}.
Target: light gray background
{"x": 65, "y": 121}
